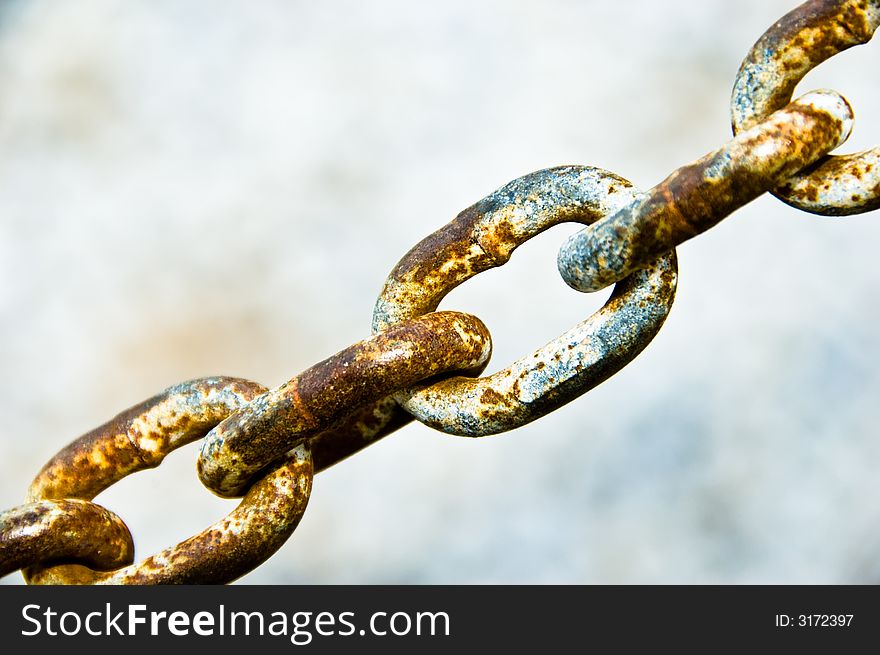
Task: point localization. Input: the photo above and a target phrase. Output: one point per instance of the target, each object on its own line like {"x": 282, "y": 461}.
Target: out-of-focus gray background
{"x": 198, "y": 188}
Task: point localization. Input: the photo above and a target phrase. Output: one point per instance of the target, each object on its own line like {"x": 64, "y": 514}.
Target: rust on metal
{"x": 363, "y": 428}
{"x": 71, "y": 530}
{"x": 321, "y": 397}
{"x": 792, "y": 47}
{"x": 55, "y": 531}
{"x": 698, "y": 196}
{"x": 484, "y": 236}
{"x": 267, "y": 444}
{"x": 140, "y": 438}
{"x": 250, "y": 534}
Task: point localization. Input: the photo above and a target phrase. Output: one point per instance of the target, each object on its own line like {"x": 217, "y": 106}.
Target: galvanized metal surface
{"x": 319, "y": 398}
{"x": 484, "y": 236}
{"x": 791, "y": 48}
{"x": 697, "y": 196}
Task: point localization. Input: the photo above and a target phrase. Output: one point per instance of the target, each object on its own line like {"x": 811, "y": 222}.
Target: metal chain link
{"x": 266, "y": 445}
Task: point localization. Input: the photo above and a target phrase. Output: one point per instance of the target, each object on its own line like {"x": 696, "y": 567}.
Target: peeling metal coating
{"x": 792, "y": 47}
{"x": 696, "y": 197}
{"x": 226, "y": 550}
{"x": 140, "y": 438}
{"x": 56, "y": 530}
{"x": 329, "y": 392}
{"x": 484, "y": 236}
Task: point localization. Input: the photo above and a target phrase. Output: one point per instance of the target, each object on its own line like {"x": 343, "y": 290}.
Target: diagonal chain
{"x": 265, "y": 445}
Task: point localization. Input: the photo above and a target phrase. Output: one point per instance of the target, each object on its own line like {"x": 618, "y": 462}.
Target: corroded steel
{"x": 328, "y": 392}
{"x": 792, "y": 47}
{"x": 226, "y": 550}
{"x": 363, "y": 428}
{"x": 484, "y": 236}
{"x": 697, "y": 196}
{"x": 268, "y": 444}
{"x": 63, "y": 531}
{"x": 74, "y": 530}
{"x": 140, "y": 438}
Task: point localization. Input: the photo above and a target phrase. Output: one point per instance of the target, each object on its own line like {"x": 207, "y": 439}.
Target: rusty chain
{"x": 266, "y": 445}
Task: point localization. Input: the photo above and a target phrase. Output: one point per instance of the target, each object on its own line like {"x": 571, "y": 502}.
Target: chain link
{"x": 800, "y": 41}
{"x": 697, "y": 196}
{"x": 484, "y": 236}
{"x": 265, "y": 445}
{"x": 320, "y": 397}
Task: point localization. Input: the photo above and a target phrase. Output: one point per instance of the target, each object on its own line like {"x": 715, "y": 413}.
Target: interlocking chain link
{"x": 484, "y": 236}
{"x": 315, "y": 400}
{"x": 800, "y": 41}
{"x": 266, "y": 445}
{"x": 697, "y": 196}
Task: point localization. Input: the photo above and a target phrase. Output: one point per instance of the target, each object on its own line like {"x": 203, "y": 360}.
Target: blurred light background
{"x": 199, "y": 188}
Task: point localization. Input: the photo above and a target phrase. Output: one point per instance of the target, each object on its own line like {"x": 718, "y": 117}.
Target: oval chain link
{"x": 317, "y": 399}
{"x": 698, "y": 196}
{"x": 484, "y": 236}
{"x": 140, "y": 438}
{"x": 836, "y": 185}
{"x": 63, "y": 530}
